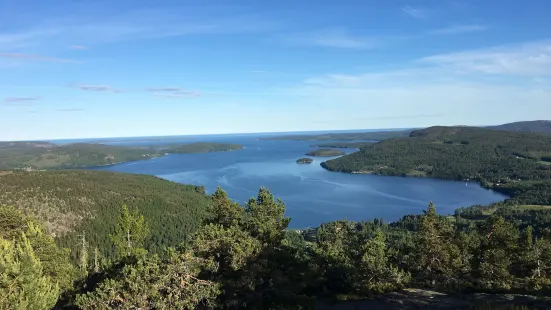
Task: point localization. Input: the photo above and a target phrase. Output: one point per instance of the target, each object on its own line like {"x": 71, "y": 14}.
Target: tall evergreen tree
{"x": 23, "y": 284}
{"x": 130, "y": 233}
{"x": 436, "y": 256}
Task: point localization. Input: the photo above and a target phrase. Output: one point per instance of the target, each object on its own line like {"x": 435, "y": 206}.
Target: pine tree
{"x": 266, "y": 219}
{"x": 23, "y": 284}
{"x": 225, "y": 211}
{"x": 54, "y": 260}
{"x": 375, "y": 273}
{"x": 435, "y": 258}
{"x": 130, "y": 233}
{"x": 499, "y": 243}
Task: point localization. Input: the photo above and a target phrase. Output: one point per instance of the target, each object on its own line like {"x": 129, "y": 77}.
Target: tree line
{"x": 244, "y": 257}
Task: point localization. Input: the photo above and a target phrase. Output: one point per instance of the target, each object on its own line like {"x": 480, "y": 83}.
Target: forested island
{"x": 325, "y": 153}
{"x": 305, "y": 160}
{"x": 343, "y": 145}
{"x": 38, "y": 155}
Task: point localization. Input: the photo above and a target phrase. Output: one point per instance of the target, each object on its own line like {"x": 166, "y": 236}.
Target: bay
{"x": 312, "y": 194}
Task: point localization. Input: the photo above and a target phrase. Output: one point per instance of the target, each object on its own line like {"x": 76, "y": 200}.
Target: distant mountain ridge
{"x": 538, "y": 126}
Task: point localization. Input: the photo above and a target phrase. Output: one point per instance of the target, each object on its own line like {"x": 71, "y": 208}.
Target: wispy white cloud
{"x": 528, "y": 59}
{"x": 172, "y": 92}
{"x": 35, "y": 57}
{"x": 96, "y": 88}
{"x": 164, "y": 89}
{"x": 88, "y": 29}
{"x": 418, "y": 13}
{"x": 458, "y": 29}
{"x": 70, "y": 110}
{"x": 78, "y": 47}
{"x": 177, "y": 95}
{"x": 462, "y": 88}
{"x": 20, "y": 101}
{"x": 338, "y": 38}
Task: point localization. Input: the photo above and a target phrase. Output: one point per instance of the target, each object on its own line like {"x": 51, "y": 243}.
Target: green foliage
{"x": 543, "y": 127}
{"x": 436, "y": 257}
{"x": 154, "y": 283}
{"x": 325, "y": 152}
{"x": 130, "y": 233}
{"x": 349, "y": 136}
{"x": 376, "y": 275}
{"x": 344, "y": 145}
{"x": 499, "y": 242}
{"x": 505, "y": 161}
{"x": 54, "y": 261}
{"x": 23, "y": 283}
{"x": 73, "y": 203}
{"x": 45, "y": 155}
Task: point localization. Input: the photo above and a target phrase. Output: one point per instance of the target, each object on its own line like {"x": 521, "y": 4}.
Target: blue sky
{"x": 78, "y": 69}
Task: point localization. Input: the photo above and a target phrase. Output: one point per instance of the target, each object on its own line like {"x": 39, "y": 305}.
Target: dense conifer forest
{"x": 514, "y": 163}
{"x": 45, "y": 155}
{"x": 100, "y": 240}
{"x": 243, "y": 257}
{"x": 75, "y": 203}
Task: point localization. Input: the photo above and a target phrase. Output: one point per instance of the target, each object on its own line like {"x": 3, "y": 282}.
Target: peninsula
{"x": 325, "y": 153}
{"x": 344, "y": 145}
{"x": 515, "y": 163}
{"x": 38, "y": 155}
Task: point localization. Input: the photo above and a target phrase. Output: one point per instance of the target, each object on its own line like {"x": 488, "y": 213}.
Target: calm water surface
{"x": 312, "y": 194}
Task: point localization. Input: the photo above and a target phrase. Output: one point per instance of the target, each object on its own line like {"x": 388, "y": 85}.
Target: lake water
{"x": 312, "y": 195}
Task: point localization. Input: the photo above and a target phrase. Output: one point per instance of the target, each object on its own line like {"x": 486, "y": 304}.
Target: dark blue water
{"x": 312, "y": 194}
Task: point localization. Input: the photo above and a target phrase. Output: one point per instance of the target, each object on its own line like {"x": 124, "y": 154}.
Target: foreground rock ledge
{"x": 424, "y": 299}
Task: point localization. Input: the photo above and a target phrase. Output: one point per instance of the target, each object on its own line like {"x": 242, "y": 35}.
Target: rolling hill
{"x": 499, "y": 159}
{"x": 541, "y": 126}
{"x": 46, "y": 155}
{"x": 70, "y": 203}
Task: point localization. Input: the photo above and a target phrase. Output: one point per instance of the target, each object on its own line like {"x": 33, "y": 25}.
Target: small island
{"x": 304, "y": 160}
{"x": 326, "y": 153}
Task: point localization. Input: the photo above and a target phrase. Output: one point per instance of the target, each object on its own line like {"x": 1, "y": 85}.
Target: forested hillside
{"x": 349, "y": 136}
{"x": 543, "y": 127}
{"x": 508, "y": 161}
{"x": 71, "y": 203}
{"x": 45, "y": 155}
{"x": 242, "y": 257}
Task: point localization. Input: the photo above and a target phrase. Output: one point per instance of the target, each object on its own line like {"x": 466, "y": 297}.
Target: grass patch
{"x": 534, "y": 207}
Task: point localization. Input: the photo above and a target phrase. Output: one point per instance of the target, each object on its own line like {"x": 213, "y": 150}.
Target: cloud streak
{"x": 458, "y": 29}
{"x": 337, "y": 38}
{"x": 528, "y": 59}
{"x": 35, "y": 57}
{"x": 172, "y": 92}
{"x": 96, "y": 88}
{"x": 70, "y": 110}
{"x": 78, "y": 47}
{"x": 416, "y": 13}
{"x": 20, "y": 99}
